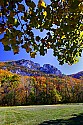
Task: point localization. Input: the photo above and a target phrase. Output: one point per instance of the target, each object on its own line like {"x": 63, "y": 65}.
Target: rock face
{"x": 29, "y": 68}
{"x": 28, "y": 64}
{"x": 49, "y": 69}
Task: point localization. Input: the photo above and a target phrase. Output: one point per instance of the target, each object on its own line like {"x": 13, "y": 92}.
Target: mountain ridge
{"x": 30, "y": 68}
{"x": 77, "y": 75}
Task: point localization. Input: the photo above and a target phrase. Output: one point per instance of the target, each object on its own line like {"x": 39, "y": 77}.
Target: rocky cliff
{"x": 28, "y": 67}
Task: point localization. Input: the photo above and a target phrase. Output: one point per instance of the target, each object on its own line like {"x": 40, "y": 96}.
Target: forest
{"x": 29, "y": 90}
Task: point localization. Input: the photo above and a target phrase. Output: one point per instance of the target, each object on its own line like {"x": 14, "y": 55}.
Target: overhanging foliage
{"x": 61, "y": 20}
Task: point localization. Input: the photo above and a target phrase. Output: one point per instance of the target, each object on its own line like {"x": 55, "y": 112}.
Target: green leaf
{"x": 7, "y": 48}
{"x": 37, "y": 38}
{"x": 15, "y": 49}
{"x": 42, "y": 50}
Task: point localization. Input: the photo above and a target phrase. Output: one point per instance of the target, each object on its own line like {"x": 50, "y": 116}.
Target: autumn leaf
{"x": 5, "y": 42}
{"x": 32, "y": 54}
{"x": 56, "y": 18}
{"x": 63, "y": 37}
{"x": 41, "y": 3}
{"x": 2, "y": 30}
{"x": 81, "y": 6}
{"x": 15, "y": 49}
{"x": 63, "y": 0}
{"x": 44, "y": 14}
{"x": 0, "y": 14}
{"x": 81, "y": 34}
{"x": 28, "y": 49}
{"x": 21, "y": 7}
{"x": 15, "y": 21}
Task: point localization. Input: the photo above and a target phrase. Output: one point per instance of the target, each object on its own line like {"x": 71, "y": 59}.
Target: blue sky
{"x": 47, "y": 59}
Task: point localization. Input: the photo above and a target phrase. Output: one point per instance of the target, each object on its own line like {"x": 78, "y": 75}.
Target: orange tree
{"x": 60, "y": 20}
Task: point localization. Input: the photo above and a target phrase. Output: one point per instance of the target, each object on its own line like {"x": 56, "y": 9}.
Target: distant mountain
{"x": 77, "y": 75}
{"x": 29, "y": 68}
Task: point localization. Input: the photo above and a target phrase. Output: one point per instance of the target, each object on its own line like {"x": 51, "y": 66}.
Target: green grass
{"x": 47, "y": 115}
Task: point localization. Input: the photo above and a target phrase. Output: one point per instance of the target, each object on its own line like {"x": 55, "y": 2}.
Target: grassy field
{"x": 71, "y": 114}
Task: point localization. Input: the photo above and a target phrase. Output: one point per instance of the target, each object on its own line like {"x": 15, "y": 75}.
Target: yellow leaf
{"x": 63, "y": 37}
{"x": 41, "y": 3}
{"x": 30, "y": 12}
{"x": 32, "y": 54}
{"x": 45, "y": 14}
{"x": 81, "y": 34}
{"x": 66, "y": 16}
{"x": 81, "y": 6}
{"x": 15, "y": 21}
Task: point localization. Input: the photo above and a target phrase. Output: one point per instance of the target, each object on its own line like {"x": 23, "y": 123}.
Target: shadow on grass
{"x": 75, "y": 120}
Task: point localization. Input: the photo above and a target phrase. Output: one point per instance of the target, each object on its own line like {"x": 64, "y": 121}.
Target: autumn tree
{"x": 8, "y": 84}
{"x": 61, "y": 21}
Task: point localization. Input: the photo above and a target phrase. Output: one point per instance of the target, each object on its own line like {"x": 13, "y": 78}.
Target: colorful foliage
{"x": 25, "y": 90}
